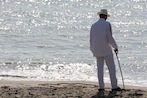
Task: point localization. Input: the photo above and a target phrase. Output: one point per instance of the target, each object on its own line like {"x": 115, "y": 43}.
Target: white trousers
{"x": 112, "y": 71}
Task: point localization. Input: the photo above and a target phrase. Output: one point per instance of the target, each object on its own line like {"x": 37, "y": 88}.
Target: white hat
{"x": 103, "y": 11}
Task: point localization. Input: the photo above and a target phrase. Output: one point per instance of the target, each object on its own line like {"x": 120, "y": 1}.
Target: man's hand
{"x": 116, "y": 51}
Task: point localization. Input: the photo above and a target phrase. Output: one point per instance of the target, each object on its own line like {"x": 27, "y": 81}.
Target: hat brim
{"x": 103, "y": 14}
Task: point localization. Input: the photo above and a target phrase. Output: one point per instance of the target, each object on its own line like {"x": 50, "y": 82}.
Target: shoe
{"x": 101, "y": 89}
{"x": 117, "y": 89}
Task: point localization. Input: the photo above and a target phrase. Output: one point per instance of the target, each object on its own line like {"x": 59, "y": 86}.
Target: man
{"x": 101, "y": 41}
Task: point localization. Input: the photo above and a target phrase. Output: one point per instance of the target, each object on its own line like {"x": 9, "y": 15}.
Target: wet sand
{"x": 65, "y": 89}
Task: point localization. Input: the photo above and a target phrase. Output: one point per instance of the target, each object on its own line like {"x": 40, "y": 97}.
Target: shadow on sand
{"x": 109, "y": 94}
{"x": 119, "y": 94}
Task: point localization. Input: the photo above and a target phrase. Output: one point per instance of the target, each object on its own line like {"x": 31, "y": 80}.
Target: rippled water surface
{"x": 49, "y": 39}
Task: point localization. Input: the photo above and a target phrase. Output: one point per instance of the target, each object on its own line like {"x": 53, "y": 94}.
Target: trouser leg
{"x": 112, "y": 71}
{"x": 100, "y": 71}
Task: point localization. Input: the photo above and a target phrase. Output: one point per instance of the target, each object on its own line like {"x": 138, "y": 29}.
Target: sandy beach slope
{"x": 64, "y": 89}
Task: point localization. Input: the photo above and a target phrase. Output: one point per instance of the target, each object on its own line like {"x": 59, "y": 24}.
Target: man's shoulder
{"x": 107, "y": 22}
{"x": 94, "y": 24}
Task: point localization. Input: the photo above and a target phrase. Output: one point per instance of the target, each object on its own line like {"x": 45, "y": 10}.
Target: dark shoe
{"x": 101, "y": 89}
{"x": 117, "y": 89}
{"x": 100, "y": 93}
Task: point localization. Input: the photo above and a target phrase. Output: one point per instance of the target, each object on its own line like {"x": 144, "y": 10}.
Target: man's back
{"x": 100, "y": 38}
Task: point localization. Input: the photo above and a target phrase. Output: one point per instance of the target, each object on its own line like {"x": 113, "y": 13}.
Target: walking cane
{"x": 120, "y": 70}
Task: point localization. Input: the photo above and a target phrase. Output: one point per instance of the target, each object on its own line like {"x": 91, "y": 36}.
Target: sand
{"x": 65, "y": 89}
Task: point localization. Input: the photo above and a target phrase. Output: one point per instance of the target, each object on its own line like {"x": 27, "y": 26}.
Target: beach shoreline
{"x": 32, "y": 83}
{"x": 65, "y": 89}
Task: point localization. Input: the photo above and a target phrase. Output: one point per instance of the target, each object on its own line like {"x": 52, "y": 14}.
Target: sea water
{"x": 48, "y": 40}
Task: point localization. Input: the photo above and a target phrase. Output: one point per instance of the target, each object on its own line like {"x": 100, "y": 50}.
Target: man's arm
{"x": 90, "y": 39}
{"x": 111, "y": 39}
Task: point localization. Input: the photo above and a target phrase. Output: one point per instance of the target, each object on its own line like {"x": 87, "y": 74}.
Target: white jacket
{"x": 101, "y": 39}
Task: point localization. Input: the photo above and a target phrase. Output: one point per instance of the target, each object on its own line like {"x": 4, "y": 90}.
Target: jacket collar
{"x": 102, "y": 19}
